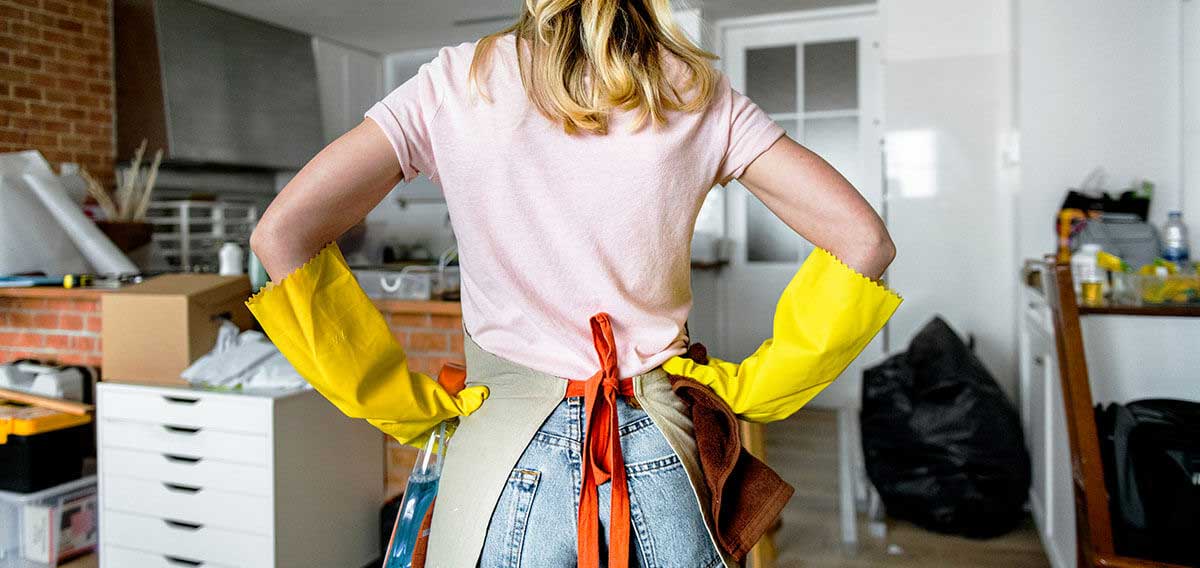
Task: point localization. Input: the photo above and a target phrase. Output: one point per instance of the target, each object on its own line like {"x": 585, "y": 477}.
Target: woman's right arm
{"x": 812, "y": 198}
{"x": 335, "y": 190}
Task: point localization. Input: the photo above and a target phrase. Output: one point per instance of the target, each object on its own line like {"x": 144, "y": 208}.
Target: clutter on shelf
{"x": 243, "y": 360}
{"x": 43, "y": 228}
{"x": 1117, "y": 257}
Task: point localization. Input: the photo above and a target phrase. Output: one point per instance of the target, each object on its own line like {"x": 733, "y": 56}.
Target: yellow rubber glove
{"x": 826, "y": 316}
{"x": 322, "y": 321}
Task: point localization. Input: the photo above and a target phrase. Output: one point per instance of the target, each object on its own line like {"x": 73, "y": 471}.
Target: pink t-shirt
{"x": 553, "y": 228}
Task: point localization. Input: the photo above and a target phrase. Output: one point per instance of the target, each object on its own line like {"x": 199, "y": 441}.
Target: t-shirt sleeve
{"x": 751, "y": 132}
{"x": 406, "y": 116}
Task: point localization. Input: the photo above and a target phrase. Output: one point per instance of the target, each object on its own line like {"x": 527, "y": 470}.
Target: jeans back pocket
{"x": 510, "y": 519}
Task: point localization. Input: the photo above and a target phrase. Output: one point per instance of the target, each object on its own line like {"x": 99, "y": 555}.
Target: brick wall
{"x": 63, "y": 330}
{"x": 430, "y": 340}
{"x": 56, "y": 81}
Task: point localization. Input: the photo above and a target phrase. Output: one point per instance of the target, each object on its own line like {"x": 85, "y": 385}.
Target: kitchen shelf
{"x": 53, "y": 292}
{"x": 1179, "y": 311}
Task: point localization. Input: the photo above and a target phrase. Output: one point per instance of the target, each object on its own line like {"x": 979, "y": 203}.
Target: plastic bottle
{"x": 1175, "y": 240}
{"x": 418, "y": 497}
{"x": 232, "y": 259}
{"x": 1084, "y": 267}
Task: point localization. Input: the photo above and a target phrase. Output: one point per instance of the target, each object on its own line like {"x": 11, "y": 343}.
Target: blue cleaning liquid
{"x": 418, "y": 496}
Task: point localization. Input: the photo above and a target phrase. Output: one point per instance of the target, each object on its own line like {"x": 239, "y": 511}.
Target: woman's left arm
{"x": 333, "y": 192}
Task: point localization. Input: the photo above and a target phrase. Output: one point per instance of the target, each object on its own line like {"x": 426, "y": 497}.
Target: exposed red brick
{"x": 41, "y": 49}
{"x": 25, "y": 123}
{"x": 427, "y": 341}
{"x": 24, "y": 91}
{"x": 20, "y": 319}
{"x": 29, "y": 340}
{"x": 447, "y": 322}
{"x": 56, "y": 7}
{"x": 411, "y": 320}
{"x": 70, "y": 321}
{"x": 82, "y": 343}
{"x": 45, "y": 320}
{"x": 43, "y": 79}
{"x": 10, "y": 106}
{"x": 56, "y": 74}
{"x": 9, "y": 13}
{"x": 58, "y": 341}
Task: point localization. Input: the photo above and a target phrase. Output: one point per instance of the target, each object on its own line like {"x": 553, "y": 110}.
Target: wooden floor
{"x": 803, "y": 449}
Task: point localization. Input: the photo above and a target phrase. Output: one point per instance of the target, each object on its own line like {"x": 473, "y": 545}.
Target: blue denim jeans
{"x": 534, "y": 522}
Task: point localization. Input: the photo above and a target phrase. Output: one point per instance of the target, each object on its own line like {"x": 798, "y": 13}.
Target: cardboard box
{"x": 152, "y": 331}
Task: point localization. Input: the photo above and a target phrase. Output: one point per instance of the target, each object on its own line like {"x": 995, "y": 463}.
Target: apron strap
{"x": 602, "y": 458}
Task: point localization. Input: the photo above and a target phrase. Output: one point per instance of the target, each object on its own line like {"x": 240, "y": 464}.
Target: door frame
{"x": 862, "y": 22}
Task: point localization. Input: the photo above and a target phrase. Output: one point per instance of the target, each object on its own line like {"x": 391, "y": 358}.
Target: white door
{"x": 818, "y": 75}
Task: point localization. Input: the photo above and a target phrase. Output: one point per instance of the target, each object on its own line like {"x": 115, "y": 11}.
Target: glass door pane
{"x": 771, "y": 78}
{"x": 831, "y": 76}
{"x": 836, "y": 140}
{"x": 811, "y": 89}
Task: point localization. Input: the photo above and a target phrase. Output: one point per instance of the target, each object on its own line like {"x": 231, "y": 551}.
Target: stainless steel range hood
{"x": 212, "y": 87}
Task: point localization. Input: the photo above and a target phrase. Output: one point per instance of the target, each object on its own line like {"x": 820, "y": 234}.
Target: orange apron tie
{"x": 602, "y": 458}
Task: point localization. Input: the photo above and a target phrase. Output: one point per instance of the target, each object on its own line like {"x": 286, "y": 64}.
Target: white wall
{"x": 1191, "y": 119}
{"x": 1099, "y": 85}
{"x": 1104, "y": 84}
{"x": 948, "y": 111}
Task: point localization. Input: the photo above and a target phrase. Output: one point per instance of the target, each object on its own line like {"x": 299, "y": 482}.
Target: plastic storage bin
{"x": 40, "y": 448}
{"x": 37, "y": 530}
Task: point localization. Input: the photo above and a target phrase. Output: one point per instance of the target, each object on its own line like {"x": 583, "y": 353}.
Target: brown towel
{"x": 747, "y": 495}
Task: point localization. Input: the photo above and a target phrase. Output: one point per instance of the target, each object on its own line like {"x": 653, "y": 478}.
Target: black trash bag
{"x": 943, "y": 444}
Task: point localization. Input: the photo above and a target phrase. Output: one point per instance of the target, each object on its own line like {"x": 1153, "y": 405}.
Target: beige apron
{"x": 487, "y": 445}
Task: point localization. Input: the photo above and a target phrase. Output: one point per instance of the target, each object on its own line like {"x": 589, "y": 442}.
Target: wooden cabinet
{"x": 190, "y": 478}
{"x": 1042, "y": 416}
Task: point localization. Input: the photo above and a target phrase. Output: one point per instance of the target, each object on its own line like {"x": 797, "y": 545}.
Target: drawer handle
{"x": 181, "y": 561}
{"x": 177, "y": 488}
{"x": 180, "y": 399}
{"x": 182, "y": 525}
{"x": 180, "y": 429}
{"x": 176, "y": 458}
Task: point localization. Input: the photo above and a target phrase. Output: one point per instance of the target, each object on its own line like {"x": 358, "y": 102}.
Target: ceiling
{"x": 386, "y": 26}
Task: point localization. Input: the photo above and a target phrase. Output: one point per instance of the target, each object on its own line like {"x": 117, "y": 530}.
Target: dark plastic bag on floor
{"x": 943, "y": 444}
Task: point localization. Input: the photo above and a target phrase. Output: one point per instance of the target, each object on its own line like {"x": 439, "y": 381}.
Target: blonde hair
{"x": 588, "y": 58}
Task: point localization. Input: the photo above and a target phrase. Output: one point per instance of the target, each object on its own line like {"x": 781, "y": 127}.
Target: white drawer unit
{"x": 224, "y": 480}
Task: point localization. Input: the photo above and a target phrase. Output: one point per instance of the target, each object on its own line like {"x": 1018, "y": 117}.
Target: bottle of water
{"x": 1175, "y": 239}
{"x": 418, "y": 498}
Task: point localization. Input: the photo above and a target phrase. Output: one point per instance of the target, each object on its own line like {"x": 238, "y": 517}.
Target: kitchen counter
{"x": 53, "y": 292}
{"x": 434, "y": 307}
